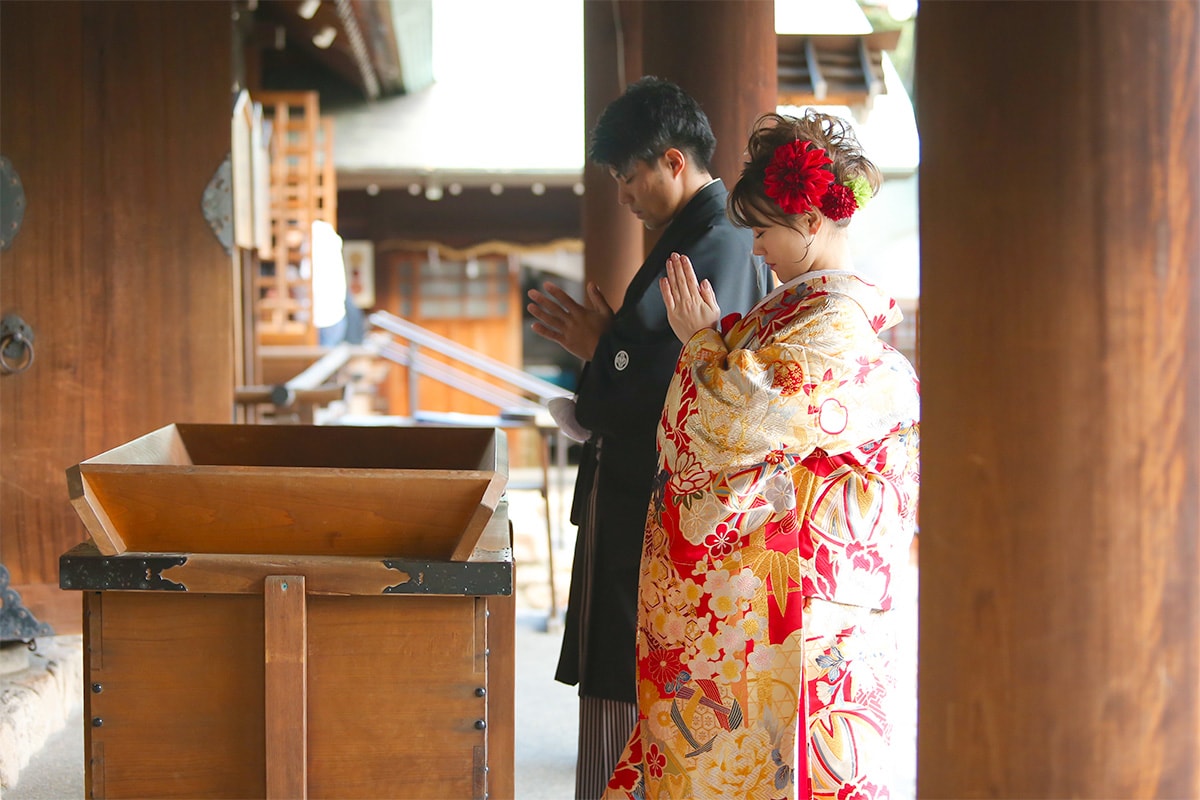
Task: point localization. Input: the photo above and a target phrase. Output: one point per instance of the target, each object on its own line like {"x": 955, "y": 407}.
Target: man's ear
{"x": 675, "y": 160}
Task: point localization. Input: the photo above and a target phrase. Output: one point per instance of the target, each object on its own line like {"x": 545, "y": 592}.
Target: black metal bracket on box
{"x": 82, "y": 568}
{"x": 85, "y": 568}
{"x": 17, "y": 623}
{"x": 452, "y": 577}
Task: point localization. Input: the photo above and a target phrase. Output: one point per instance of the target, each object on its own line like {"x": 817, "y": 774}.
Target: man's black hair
{"x": 651, "y": 116}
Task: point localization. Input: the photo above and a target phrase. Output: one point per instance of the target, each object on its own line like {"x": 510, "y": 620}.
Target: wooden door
{"x": 473, "y": 300}
{"x": 115, "y": 116}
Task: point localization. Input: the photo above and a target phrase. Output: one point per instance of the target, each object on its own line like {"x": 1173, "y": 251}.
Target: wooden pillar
{"x": 723, "y": 53}
{"x": 1060, "y": 245}
{"x": 127, "y": 289}
{"x": 612, "y": 236}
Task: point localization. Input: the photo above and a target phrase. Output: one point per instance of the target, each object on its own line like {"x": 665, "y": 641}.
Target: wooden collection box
{"x": 289, "y": 611}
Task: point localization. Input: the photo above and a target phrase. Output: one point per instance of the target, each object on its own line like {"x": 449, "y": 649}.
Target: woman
{"x": 784, "y": 505}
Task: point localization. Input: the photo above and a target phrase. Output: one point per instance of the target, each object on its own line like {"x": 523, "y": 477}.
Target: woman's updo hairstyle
{"x": 750, "y": 206}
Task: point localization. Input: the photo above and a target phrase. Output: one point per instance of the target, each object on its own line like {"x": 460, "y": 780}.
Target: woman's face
{"x": 786, "y": 250}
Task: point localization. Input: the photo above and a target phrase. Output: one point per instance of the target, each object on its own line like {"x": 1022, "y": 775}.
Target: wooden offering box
{"x": 296, "y": 489}
{"x": 289, "y": 611}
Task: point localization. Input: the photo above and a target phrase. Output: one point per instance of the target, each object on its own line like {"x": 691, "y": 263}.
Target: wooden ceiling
{"x": 373, "y": 48}
{"x": 832, "y": 69}
{"x": 377, "y": 48}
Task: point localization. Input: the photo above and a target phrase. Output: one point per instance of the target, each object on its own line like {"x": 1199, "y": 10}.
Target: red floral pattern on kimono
{"x": 785, "y": 502}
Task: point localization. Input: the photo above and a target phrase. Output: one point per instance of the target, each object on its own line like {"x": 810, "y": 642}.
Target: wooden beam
{"x": 285, "y": 624}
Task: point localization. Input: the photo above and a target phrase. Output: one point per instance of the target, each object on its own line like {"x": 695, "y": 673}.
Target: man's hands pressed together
{"x": 577, "y": 328}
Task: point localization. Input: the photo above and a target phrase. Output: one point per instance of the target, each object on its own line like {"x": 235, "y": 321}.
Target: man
{"x": 657, "y": 144}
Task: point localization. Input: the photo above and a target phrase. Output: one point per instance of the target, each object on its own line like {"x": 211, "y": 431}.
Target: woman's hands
{"x": 691, "y": 305}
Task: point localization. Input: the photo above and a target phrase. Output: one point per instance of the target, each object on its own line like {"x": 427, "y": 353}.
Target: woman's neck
{"x": 834, "y": 255}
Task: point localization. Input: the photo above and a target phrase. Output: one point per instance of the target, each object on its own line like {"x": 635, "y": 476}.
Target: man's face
{"x": 650, "y": 190}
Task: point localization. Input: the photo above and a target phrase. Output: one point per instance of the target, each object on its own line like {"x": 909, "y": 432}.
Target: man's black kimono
{"x": 620, "y": 399}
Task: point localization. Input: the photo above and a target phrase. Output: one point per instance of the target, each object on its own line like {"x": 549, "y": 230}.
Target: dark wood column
{"x": 116, "y": 118}
{"x": 723, "y": 53}
{"x": 612, "y": 237}
{"x": 1060, "y": 312}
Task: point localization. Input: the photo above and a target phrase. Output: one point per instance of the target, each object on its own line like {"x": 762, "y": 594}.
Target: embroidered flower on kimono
{"x": 730, "y": 670}
{"x": 721, "y": 541}
{"x": 697, "y": 521}
{"x": 655, "y": 761}
{"x": 788, "y": 378}
{"x": 746, "y": 583}
{"x": 737, "y": 765}
{"x": 648, "y": 692}
{"x": 676, "y": 628}
{"x": 658, "y": 619}
{"x": 781, "y": 492}
{"x": 689, "y": 476}
{"x": 704, "y": 669}
{"x": 761, "y": 658}
{"x": 864, "y": 557}
{"x": 692, "y": 592}
{"x": 658, "y": 719}
{"x": 865, "y": 365}
{"x": 664, "y": 665}
{"x": 784, "y": 773}
{"x": 709, "y": 648}
{"x": 753, "y": 625}
{"x": 723, "y": 598}
{"x": 724, "y": 603}
{"x": 729, "y": 635}
{"x": 864, "y": 791}
{"x": 832, "y": 662}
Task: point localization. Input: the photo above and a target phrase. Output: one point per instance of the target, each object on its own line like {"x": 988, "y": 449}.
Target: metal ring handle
{"x": 6, "y": 367}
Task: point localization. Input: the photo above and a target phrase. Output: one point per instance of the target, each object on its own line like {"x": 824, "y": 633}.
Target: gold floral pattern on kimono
{"x": 784, "y": 504}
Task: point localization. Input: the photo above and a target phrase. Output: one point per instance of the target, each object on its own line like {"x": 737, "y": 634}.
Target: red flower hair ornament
{"x": 798, "y": 179}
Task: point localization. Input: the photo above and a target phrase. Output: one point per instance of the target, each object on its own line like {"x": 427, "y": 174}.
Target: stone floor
{"x": 546, "y": 711}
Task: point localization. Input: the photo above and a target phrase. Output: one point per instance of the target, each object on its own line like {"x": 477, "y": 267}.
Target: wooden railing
{"x": 530, "y": 395}
{"x": 299, "y": 397}
{"x": 521, "y": 402}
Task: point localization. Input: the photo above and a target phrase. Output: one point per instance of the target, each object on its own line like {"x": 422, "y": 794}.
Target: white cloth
{"x": 563, "y": 411}
{"x": 328, "y": 276}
